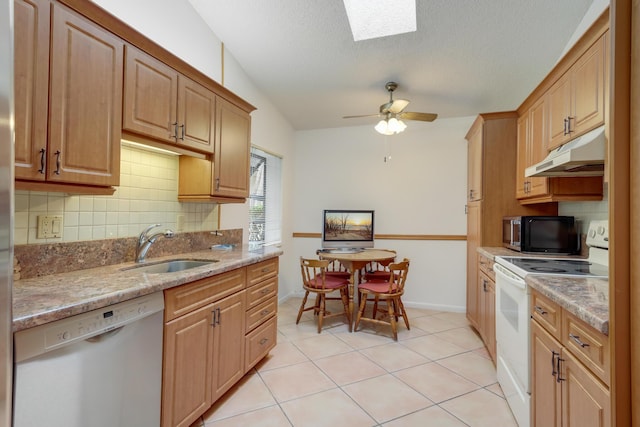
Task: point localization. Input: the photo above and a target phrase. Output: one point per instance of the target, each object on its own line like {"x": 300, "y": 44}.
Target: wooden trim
{"x": 599, "y": 27}
{"x": 103, "y": 18}
{"x": 623, "y": 226}
{"x": 63, "y": 188}
{"x": 396, "y": 236}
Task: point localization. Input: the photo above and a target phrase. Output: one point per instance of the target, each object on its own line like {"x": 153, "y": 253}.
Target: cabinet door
{"x": 522, "y": 156}
{"x": 585, "y": 400}
{"x": 588, "y": 89}
{"x": 150, "y": 97}
{"x": 187, "y": 367}
{"x": 228, "y": 345}
{"x": 232, "y": 150}
{"x": 488, "y": 304}
{"x": 196, "y": 115}
{"x": 474, "y": 167}
{"x": 473, "y": 239}
{"x": 31, "y": 86}
{"x": 537, "y": 145}
{"x": 85, "y": 105}
{"x": 546, "y": 401}
{"x": 559, "y": 111}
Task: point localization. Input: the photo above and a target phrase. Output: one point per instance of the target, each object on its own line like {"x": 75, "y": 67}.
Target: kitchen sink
{"x": 171, "y": 266}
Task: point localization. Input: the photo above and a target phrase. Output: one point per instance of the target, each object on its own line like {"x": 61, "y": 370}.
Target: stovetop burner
{"x": 561, "y": 267}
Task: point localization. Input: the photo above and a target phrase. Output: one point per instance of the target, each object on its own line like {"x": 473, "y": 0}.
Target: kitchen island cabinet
{"x": 75, "y": 147}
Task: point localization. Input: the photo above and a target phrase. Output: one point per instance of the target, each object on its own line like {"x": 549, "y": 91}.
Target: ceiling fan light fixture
{"x": 370, "y": 19}
{"x": 390, "y": 126}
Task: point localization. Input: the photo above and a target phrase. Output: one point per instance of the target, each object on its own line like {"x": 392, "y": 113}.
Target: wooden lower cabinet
{"x": 207, "y": 344}
{"x": 564, "y": 391}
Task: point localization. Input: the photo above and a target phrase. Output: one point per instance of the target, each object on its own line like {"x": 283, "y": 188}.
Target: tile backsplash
{"x": 586, "y": 212}
{"x": 148, "y": 194}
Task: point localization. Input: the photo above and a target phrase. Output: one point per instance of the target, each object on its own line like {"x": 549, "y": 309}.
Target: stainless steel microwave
{"x": 541, "y": 234}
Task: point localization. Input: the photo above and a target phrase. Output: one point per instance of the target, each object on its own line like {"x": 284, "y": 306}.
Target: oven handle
{"x": 509, "y": 276}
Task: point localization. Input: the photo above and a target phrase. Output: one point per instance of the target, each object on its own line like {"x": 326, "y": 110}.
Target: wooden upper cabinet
{"x": 577, "y": 99}
{"x": 474, "y": 163}
{"x": 162, "y": 104}
{"x": 68, "y": 101}
{"x": 536, "y": 146}
{"x": 232, "y": 151}
{"x": 150, "y": 96}
{"x": 522, "y": 159}
{"x": 31, "y": 86}
{"x": 85, "y": 116}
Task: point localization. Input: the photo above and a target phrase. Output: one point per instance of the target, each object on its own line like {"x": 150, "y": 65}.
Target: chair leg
{"x": 404, "y": 314}
{"x": 392, "y": 319}
{"x": 375, "y": 307}
{"x": 345, "y": 303}
{"x": 304, "y": 301}
{"x": 321, "y": 311}
{"x": 363, "y": 303}
{"x": 317, "y": 305}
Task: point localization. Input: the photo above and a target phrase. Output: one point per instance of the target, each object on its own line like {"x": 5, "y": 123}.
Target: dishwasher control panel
{"x": 34, "y": 341}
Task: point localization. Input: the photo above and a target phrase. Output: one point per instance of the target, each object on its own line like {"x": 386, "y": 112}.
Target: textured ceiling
{"x": 467, "y": 56}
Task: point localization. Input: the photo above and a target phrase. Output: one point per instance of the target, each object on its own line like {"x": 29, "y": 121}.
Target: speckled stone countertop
{"x": 587, "y": 298}
{"x": 45, "y": 299}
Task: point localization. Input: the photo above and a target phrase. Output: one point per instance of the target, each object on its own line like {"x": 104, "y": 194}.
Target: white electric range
{"x": 512, "y": 310}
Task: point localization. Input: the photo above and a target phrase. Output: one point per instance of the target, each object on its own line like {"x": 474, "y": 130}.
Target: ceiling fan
{"x": 393, "y": 113}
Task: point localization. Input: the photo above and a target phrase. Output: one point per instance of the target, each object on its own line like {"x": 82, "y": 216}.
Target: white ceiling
{"x": 467, "y": 56}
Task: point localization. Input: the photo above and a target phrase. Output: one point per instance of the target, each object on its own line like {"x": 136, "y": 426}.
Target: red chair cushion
{"x": 379, "y": 286}
{"x": 329, "y": 282}
{"x": 339, "y": 274}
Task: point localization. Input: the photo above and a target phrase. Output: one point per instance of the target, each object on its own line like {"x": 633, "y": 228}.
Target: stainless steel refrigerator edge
{"x": 6, "y": 210}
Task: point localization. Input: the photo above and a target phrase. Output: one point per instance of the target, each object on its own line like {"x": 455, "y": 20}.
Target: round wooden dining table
{"x": 354, "y": 261}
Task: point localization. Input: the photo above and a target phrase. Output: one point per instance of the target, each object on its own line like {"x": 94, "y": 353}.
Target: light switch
{"x": 49, "y": 227}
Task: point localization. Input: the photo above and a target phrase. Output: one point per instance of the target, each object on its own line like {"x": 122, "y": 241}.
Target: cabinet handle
{"x": 564, "y": 127}
{"x": 218, "y": 316}
{"x": 42, "y": 158}
{"x": 540, "y": 310}
{"x": 554, "y": 372}
{"x": 569, "y": 118}
{"x": 217, "y": 184}
{"x": 578, "y": 341}
{"x": 264, "y": 312}
{"x": 175, "y": 131}
{"x": 263, "y": 341}
{"x": 265, "y": 270}
{"x": 57, "y": 171}
{"x": 264, "y": 291}
{"x": 558, "y": 362}
{"x": 484, "y": 285}
{"x": 182, "y": 132}
{"x": 213, "y": 321}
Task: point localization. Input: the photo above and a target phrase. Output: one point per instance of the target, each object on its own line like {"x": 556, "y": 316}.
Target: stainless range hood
{"x": 583, "y": 156}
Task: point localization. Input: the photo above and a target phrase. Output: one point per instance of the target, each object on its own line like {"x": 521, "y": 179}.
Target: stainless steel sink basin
{"x": 171, "y": 266}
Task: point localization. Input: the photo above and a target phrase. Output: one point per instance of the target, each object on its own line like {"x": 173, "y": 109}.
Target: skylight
{"x": 370, "y": 19}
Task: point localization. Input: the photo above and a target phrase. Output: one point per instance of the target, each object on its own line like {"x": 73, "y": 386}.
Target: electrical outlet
{"x": 49, "y": 227}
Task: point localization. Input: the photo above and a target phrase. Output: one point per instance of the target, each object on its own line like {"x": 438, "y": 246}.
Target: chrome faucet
{"x": 145, "y": 241}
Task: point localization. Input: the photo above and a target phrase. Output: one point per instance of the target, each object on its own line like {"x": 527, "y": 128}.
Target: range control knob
{"x": 600, "y": 230}
{"x": 592, "y": 233}
{"x": 66, "y": 335}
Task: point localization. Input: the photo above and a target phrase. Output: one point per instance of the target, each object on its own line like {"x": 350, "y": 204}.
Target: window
{"x": 265, "y": 198}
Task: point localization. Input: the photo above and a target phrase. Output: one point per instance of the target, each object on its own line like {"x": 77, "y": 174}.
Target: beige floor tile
{"x": 394, "y": 356}
{"x": 248, "y": 394}
{"x": 459, "y": 319}
{"x": 320, "y": 346}
{"x": 430, "y": 417}
{"x": 348, "y": 368}
{"x": 483, "y": 352}
{"x": 475, "y": 368}
{"x": 465, "y": 337}
{"x": 296, "y": 381}
{"x": 363, "y": 338}
{"x": 496, "y": 389}
{"x": 433, "y": 324}
{"x": 306, "y": 329}
{"x": 436, "y": 382}
{"x": 419, "y": 312}
{"x": 432, "y": 347}
{"x": 481, "y": 408}
{"x": 331, "y": 408}
{"x": 266, "y": 417}
{"x": 386, "y": 397}
{"x": 283, "y": 354}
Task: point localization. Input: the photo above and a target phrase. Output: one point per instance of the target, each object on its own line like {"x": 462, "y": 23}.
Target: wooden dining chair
{"x": 376, "y": 270}
{"x": 388, "y": 291}
{"x": 315, "y": 279}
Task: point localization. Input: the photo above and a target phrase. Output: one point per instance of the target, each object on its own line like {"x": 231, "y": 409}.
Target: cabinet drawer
{"x": 260, "y": 342}
{"x": 262, "y": 292}
{"x": 258, "y": 272}
{"x": 186, "y": 298}
{"x": 589, "y": 346}
{"x": 547, "y": 313}
{"x": 486, "y": 265}
{"x": 261, "y": 312}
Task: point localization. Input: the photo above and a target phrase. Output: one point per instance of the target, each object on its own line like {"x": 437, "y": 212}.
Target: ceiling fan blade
{"x": 425, "y": 117}
{"x": 365, "y": 115}
{"x": 395, "y": 107}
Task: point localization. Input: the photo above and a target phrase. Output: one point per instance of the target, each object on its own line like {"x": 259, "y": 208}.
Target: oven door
{"x": 512, "y": 336}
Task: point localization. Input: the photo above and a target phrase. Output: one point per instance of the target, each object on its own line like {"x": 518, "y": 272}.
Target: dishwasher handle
{"x": 105, "y": 335}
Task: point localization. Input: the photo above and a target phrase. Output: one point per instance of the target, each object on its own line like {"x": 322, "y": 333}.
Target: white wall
{"x": 421, "y": 190}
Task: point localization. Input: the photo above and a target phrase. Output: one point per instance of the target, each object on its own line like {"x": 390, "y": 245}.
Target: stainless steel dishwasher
{"x": 96, "y": 369}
